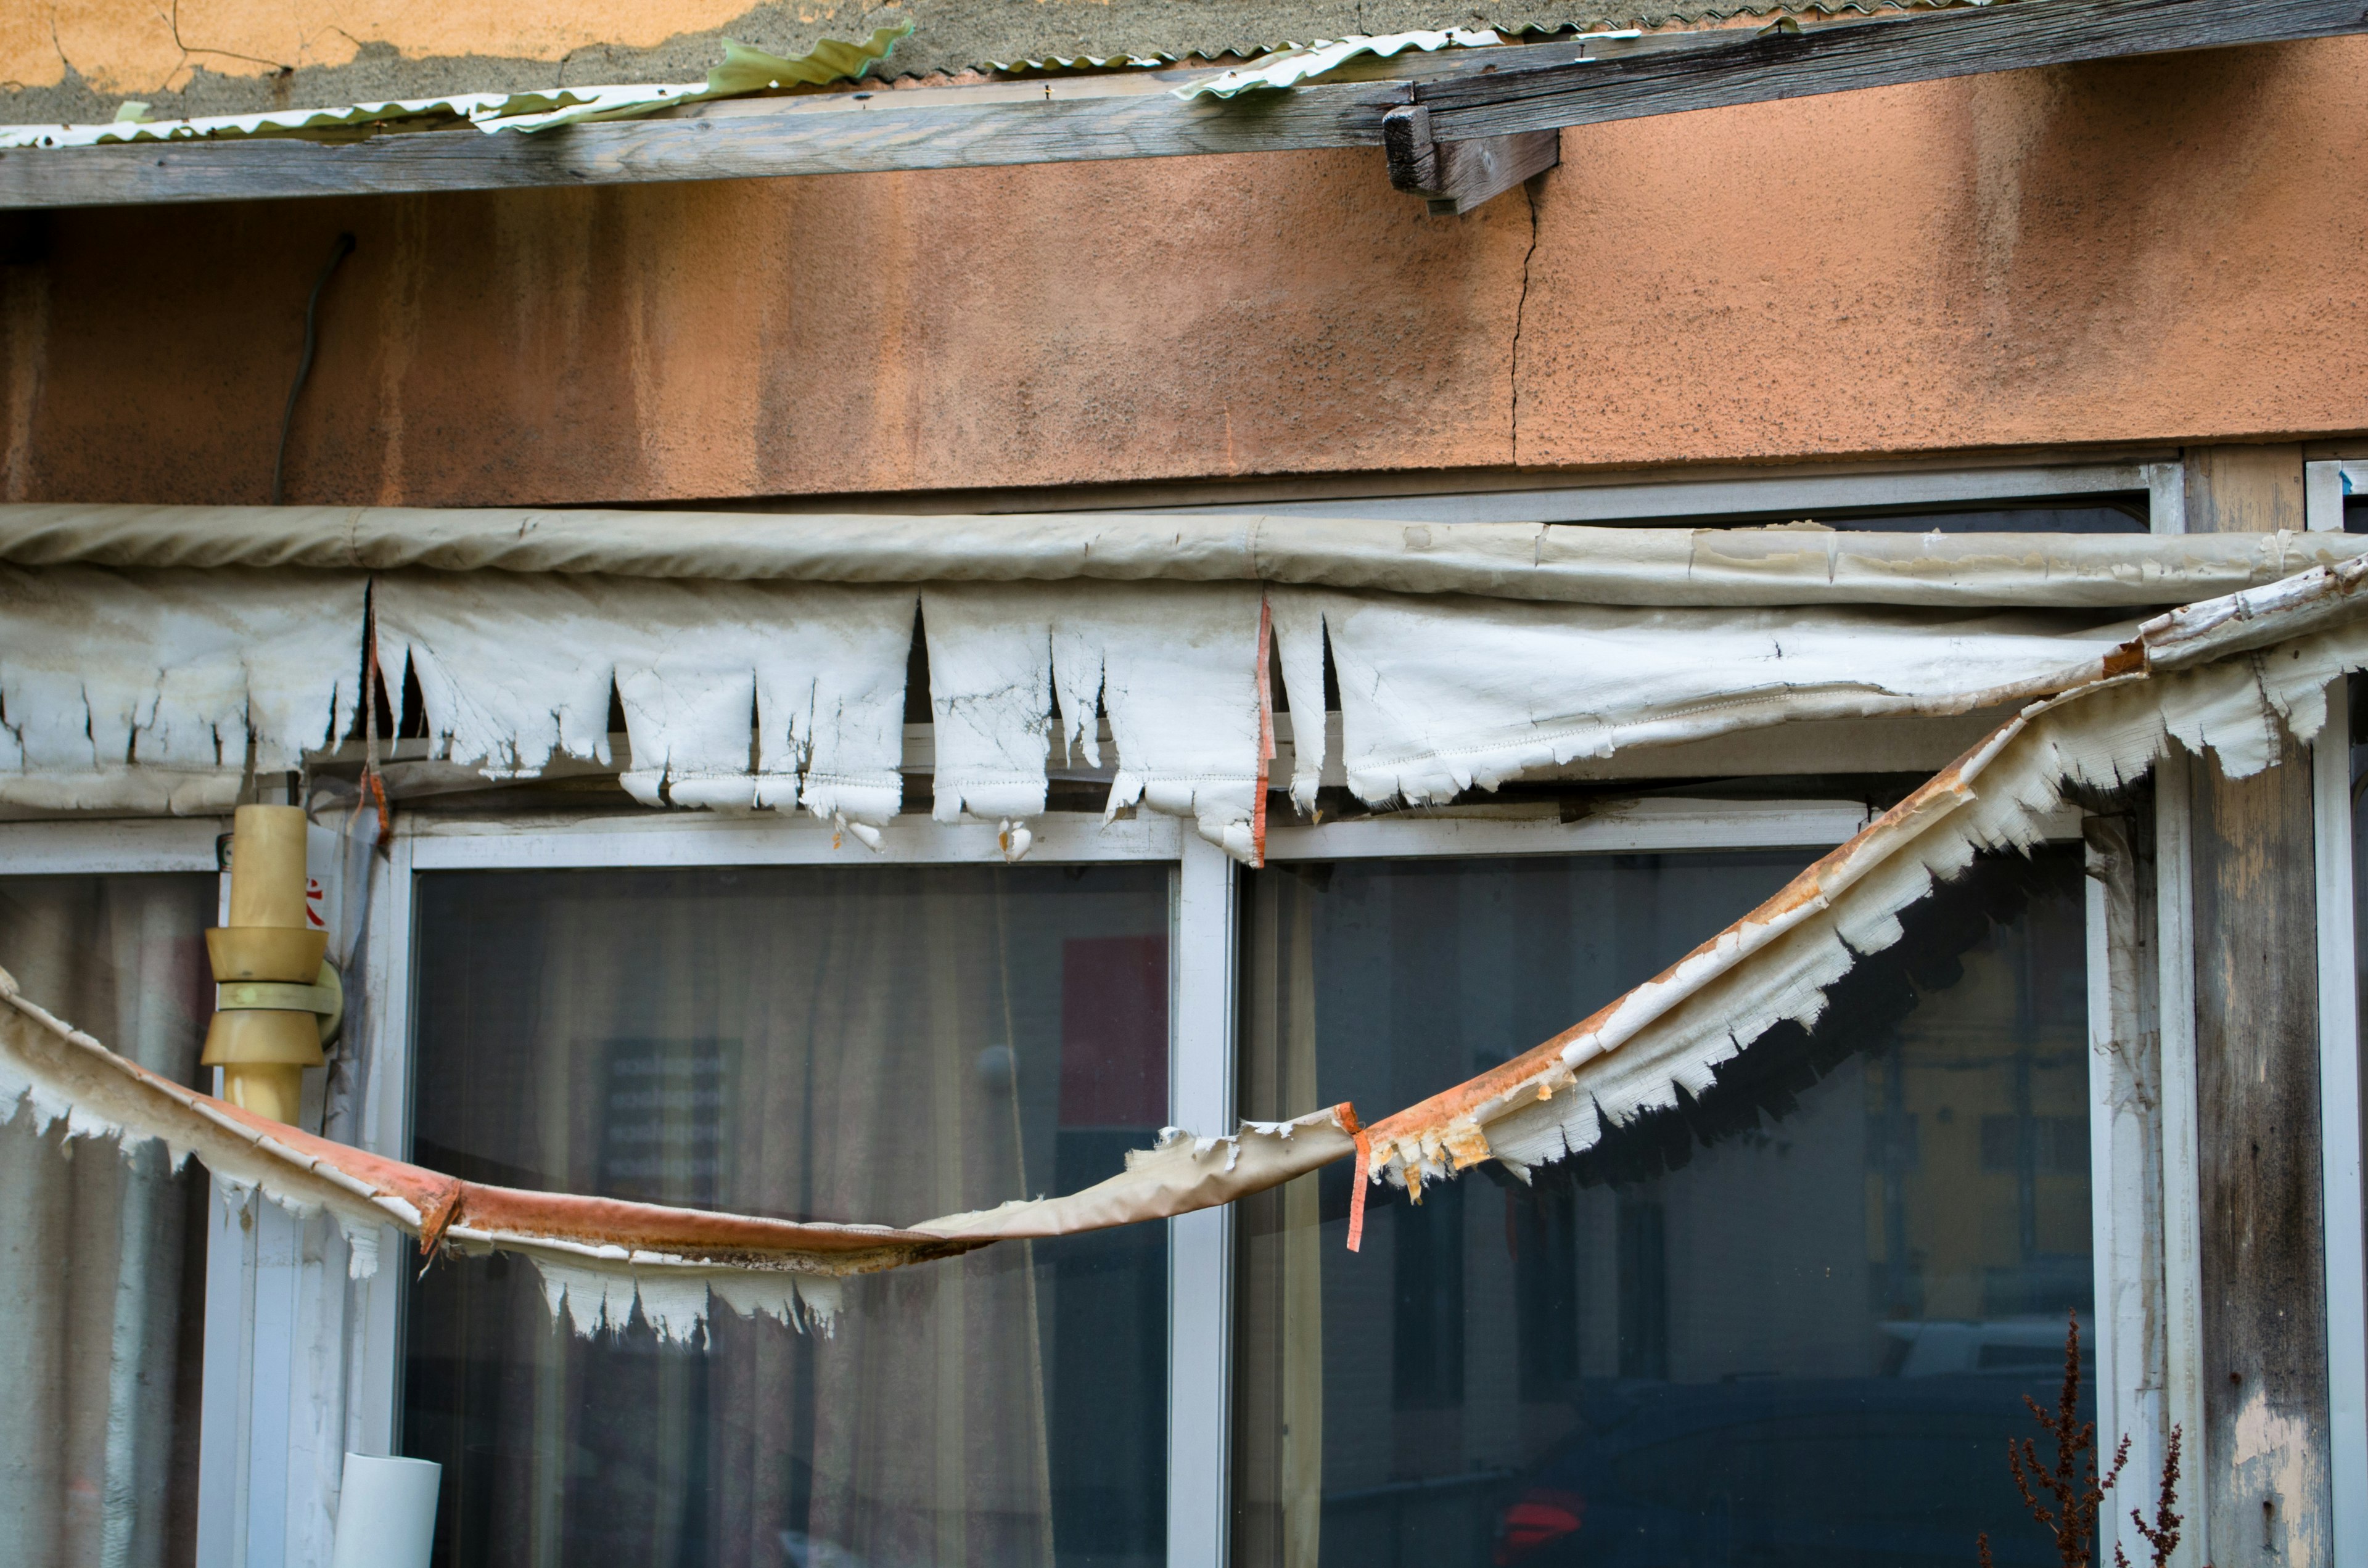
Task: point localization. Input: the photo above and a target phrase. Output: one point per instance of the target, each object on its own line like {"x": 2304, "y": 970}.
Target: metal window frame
{"x": 1672, "y": 500}
{"x": 2325, "y": 484}
{"x": 1680, "y": 826}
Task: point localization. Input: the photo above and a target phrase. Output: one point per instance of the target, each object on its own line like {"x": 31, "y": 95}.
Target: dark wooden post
{"x": 2264, "y": 1468}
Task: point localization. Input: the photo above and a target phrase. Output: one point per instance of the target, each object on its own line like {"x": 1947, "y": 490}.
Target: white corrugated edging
{"x": 744, "y": 71}
{"x": 1287, "y": 67}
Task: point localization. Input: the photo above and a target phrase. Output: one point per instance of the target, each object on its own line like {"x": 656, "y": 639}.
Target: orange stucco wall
{"x": 2165, "y": 250}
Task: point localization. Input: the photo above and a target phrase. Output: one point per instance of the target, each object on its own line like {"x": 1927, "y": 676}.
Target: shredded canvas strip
{"x": 736, "y": 695}
{"x": 598, "y": 1257}
{"x": 161, "y": 691}
{"x": 2224, "y": 678}
{"x": 1016, "y": 670}
{"x": 1440, "y": 695}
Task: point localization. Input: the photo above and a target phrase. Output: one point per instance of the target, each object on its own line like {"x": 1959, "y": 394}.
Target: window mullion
{"x": 1200, "y": 1275}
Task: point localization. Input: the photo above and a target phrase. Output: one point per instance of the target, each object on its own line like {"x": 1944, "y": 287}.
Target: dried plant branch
{"x": 2074, "y": 1491}
{"x": 2163, "y": 1534}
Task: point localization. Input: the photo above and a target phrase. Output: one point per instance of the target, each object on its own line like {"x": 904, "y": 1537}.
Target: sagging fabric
{"x": 597, "y": 1257}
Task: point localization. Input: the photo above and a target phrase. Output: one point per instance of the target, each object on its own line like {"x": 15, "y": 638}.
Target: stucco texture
{"x": 2148, "y": 251}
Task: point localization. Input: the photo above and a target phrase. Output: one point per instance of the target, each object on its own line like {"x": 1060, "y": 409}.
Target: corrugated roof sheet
{"x": 950, "y": 37}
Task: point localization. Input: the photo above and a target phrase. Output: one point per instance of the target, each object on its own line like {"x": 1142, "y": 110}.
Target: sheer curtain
{"x": 890, "y": 1044}
{"x": 102, "y": 1261}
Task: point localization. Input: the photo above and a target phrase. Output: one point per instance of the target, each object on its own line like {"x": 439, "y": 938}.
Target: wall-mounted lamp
{"x": 279, "y": 1001}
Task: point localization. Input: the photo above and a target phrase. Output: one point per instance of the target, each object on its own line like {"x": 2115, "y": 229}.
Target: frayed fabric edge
{"x": 2228, "y": 676}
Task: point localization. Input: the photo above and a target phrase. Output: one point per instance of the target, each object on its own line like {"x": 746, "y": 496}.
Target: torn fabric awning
{"x": 139, "y": 688}
{"x": 2229, "y": 676}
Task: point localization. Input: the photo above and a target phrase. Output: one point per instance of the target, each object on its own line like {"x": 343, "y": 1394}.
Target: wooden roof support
{"x": 1469, "y": 96}
{"x": 1456, "y": 176}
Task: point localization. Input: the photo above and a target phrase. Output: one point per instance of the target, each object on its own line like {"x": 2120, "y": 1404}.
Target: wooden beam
{"x": 815, "y": 134}
{"x": 1470, "y": 95}
{"x": 1650, "y": 76}
{"x": 2262, "y": 1465}
{"x": 1456, "y": 176}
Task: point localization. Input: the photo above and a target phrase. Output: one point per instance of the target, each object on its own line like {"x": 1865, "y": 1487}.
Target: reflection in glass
{"x": 1789, "y": 1323}
{"x": 872, "y": 1044}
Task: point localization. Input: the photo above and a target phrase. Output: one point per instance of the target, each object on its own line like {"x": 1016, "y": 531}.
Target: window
{"x": 832, "y": 1042}
{"x": 1851, "y": 1259}
{"x": 1790, "y": 1322}
{"x": 103, "y": 1286}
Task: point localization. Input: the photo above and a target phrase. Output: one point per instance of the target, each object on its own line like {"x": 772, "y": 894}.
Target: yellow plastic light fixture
{"x": 278, "y": 999}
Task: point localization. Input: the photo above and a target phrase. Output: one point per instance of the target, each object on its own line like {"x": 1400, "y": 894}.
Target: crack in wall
{"x": 1520, "y": 310}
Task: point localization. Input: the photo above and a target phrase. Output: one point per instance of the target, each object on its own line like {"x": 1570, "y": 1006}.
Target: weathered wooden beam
{"x": 1456, "y": 176}
{"x": 1657, "y": 75}
{"x": 1470, "y": 95}
{"x": 818, "y": 134}
{"x": 2262, "y": 1466}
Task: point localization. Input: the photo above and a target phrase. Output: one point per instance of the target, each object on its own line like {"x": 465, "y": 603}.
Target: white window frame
{"x": 2325, "y": 484}
{"x": 251, "y": 1403}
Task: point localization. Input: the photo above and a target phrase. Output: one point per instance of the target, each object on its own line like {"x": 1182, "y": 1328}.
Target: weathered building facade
{"x": 2110, "y": 1069}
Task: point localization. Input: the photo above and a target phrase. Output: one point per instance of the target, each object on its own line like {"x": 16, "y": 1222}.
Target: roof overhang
{"x": 1460, "y": 126}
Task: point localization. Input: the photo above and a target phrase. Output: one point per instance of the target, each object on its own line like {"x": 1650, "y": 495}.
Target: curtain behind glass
{"x": 102, "y": 1262}
{"x": 880, "y": 1044}
{"x": 1790, "y": 1323}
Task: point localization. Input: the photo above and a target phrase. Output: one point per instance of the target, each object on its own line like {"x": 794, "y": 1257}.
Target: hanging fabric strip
{"x": 2229, "y": 678}
{"x": 735, "y": 694}
{"x": 161, "y": 691}
{"x": 1440, "y": 695}
{"x": 1175, "y": 668}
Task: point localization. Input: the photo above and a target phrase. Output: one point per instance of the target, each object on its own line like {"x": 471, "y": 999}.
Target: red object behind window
{"x": 1114, "y": 1031}
{"x": 1537, "y": 1518}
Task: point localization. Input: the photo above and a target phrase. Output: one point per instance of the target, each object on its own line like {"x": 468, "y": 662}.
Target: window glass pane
{"x": 100, "y": 1363}
{"x": 1790, "y": 1323}
{"x": 880, "y": 1044}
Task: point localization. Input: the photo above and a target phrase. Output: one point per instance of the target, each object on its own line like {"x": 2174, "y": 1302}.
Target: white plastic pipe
{"x": 386, "y": 1513}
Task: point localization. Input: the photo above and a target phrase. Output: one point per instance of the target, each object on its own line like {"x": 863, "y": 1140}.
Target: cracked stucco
{"x": 77, "y": 60}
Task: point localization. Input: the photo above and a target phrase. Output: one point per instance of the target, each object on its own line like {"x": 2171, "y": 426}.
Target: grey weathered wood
{"x": 1470, "y": 95}
{"x": 1412, "y": 155}
{"x": 2265, "y": 1449}
{"x": 1456, "y": 176}
{"x": 1653, "y": 76}
{"x": 1471, "y": 172}
{"x": 834, "y": 133}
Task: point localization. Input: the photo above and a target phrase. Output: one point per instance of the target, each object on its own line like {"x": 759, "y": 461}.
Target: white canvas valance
{"x": 1439, "y": 695}
{"x": 161, "y": 691}
{"x": 140, "y": 691}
